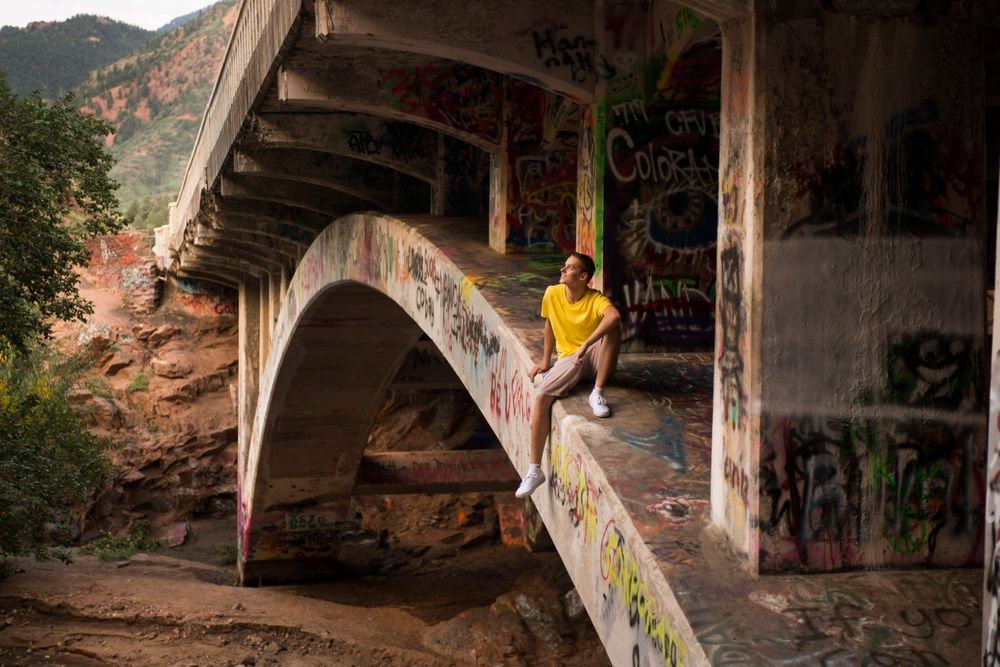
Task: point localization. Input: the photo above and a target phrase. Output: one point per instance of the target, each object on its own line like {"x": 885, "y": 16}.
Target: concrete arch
{"x": 291, "y": 508}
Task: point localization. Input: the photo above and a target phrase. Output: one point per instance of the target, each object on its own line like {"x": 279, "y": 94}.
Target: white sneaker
{"x": 531, "y": 481}
{"x": 599, "y": 405}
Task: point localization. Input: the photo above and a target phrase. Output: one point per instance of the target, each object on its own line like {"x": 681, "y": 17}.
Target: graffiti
{"x": 459, "y": 96}
{"x": 389, "y": 139}
{"x": 587, "y": 219}
{"x": 620, "y": 570}
{"x": 510, "y": 392}
{"x": 311, "y": 521}
{"x": 737, "y": 479}
{"x": 931, "y": 370}
{"x": 573, "y": 490}
{"x": 665, "y": 442}
{"x": 425, "y": 304}
{"x": 674, "y": 310}
{"x": 835, "y": 489}
{"x": 363, "y": 143}
{"x": 931, "y": 191}
{"x": 575, "y": 53}
{"x": 543, "y": 163}
{"x": 730, "y": 358}
{"x": 657, "y": 162}
{"x": 931, "y": 486}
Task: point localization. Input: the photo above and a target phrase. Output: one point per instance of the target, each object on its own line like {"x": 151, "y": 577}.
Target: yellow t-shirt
{"x": 572, "y": 323}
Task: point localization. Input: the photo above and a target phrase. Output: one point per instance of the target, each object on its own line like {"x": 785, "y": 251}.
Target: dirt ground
{"x": 449, "y": 598}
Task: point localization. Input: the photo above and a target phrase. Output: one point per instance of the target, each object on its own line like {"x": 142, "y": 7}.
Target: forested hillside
{"x": 55, "y": 57}
{"x": 155, "y": 97}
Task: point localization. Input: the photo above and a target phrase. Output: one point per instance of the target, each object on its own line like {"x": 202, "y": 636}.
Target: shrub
{"x": 139, "y": 383}
{"x": 50, "y": 465}
{"x": 98, "y": 386}
{"x": 122, "y": 547}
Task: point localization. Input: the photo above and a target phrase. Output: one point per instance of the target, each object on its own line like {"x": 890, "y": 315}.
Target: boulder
{"x": 162, "y": 334}
{"x": 170, "y": 368}
{"x": 118, "y": 361}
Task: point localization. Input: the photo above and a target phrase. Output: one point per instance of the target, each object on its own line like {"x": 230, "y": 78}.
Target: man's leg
{"x": 607, "y": 358}
{"x": 541, "y": 425}
{"x": 607, "y": 362}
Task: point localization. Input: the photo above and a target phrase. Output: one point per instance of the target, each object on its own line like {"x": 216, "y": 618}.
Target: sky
{"x": 149, "y": 14}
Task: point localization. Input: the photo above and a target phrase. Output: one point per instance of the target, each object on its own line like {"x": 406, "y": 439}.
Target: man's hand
{"x": 580, "y": 353}
{"x": 536, "y": 369}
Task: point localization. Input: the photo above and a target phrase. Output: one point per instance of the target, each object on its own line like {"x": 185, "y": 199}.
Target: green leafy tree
{"x": 50, "y": 465}
{"x": 55, "y": 193}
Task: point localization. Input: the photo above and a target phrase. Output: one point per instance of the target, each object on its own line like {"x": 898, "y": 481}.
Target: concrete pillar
{"x": 265, "y": 320}
{"x": 533, "y": 177}
{"x": 849, "y": 420}
{"x": 249, "y": 342}
{"x": 439, "y": 193}
{"x": 275, "y": 293}
{"x": 283, "y": 286}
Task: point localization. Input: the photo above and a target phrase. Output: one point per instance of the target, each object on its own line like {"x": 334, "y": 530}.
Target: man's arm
{"x": 610, "y": 319}
{"x": 550, "y": 343}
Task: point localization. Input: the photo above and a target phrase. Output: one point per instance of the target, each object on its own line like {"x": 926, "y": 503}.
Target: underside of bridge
{"x": 786, "y": 201}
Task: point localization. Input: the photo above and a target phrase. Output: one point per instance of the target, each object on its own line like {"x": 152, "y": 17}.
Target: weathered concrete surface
{"x": 627, "y": 499}
{"x": 460, "y": 471}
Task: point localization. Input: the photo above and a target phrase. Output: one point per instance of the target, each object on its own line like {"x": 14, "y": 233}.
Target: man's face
{"x": 572, "y": 272}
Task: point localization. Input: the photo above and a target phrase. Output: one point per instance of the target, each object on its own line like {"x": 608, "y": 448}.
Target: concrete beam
{"x": 299, "y": 195}
{"x": 236, "y": 250}
{"x": 308, "y": 167}
{"x": 264, "y": 244}
{"x": 426, "y": 94}
{"x": 401, "y": 146}
{"x": 461, "y": 471}
{"x": 384, "y": 187}
{"x": 215, "y": 275}
{"x": 273, "y": 212}
{"x": 209, "y": 259}
{"x": 296, "y": 237}
{"x": 548, "y": 43}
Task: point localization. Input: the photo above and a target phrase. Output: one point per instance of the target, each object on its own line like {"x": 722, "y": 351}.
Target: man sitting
{"x": 584, "y": 328}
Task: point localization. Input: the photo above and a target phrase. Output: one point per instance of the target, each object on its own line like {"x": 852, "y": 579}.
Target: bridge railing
{"x": 260, "y": 31}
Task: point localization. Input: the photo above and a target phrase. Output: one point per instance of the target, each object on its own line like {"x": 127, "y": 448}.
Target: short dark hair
{"x": 588, "y": 263}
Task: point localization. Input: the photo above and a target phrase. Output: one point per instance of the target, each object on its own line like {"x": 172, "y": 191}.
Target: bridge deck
{"x": 655, "y": 452}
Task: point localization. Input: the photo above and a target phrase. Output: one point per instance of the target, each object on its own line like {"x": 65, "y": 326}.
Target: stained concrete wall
{"x": 870, "y": 355}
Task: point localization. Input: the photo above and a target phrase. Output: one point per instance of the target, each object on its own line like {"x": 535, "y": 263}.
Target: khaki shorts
{"x": 564, "y": 374}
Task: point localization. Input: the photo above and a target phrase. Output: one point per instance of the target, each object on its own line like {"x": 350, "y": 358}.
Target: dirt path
{"x": 479, "y": 605}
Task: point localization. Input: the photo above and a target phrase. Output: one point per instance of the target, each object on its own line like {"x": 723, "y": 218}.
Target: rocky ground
{"x": 426, "y": 582}
{"x": 430, "y": 592}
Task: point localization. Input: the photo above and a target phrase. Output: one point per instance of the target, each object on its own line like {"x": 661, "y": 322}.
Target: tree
{"x": 50, "y": 465}
{"x": 55, "y": 193}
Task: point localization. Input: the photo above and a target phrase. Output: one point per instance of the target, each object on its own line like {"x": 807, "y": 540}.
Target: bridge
{"x": 795, "y": 472}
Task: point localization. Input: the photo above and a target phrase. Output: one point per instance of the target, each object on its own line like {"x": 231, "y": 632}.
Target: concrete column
{"x": 499, "y": 184}
{"x": 439, "y": 193}
{"x": 249, "y": 342}
{"x": 275, "y": 293}
{"x": 849, "y": 419}
{"x": 285, "y": 277}
{"x": 265, "y": 320}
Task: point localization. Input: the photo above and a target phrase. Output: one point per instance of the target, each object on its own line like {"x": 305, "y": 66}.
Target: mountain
{"x": 54, "y": 57}
{"x": 155, "y": 97}
{"x": 179, "y": 21}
